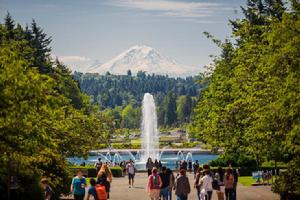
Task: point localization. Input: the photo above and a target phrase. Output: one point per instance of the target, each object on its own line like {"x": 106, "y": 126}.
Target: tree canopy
{"x": 251, "y": 105}
{"x": 44, "y": 117}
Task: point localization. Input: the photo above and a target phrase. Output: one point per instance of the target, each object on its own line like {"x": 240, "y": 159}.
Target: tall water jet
{"x": 150, "y": 133}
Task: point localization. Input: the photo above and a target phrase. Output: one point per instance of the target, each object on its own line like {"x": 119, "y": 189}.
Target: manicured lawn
{"x": 246, "y": 180}
{"x": 136, "y": 141}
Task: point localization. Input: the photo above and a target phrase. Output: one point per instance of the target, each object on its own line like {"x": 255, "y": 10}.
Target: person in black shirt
{"x": 165, "y": 178}
{"x": 190, "y": 165}
{"x": 184, "y": 165}
{"x": 196, "y": 168}
{"x": 98, "y": 165}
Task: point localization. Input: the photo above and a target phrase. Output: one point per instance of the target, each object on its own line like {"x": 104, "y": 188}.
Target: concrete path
{"x": 121, "y": 191}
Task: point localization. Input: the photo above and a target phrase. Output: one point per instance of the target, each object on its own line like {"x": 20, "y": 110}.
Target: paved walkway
{"x": 121, "y": 191}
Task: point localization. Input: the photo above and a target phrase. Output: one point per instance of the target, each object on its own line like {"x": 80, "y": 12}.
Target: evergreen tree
{"x": 9, "y": 25}
{"x": 170, "y": 109}
{"x": 184, "y": 109}
{"x": 40, "y": 43}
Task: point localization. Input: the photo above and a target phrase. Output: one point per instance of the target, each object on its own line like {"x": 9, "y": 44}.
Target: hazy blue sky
{"x": 88, "y": 30}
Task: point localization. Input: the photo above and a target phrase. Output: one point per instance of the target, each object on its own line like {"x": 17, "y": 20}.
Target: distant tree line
{"x": 121, "y": 96}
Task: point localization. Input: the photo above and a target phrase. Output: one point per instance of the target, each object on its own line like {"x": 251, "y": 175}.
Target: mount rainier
{"x": 144, "y": 58}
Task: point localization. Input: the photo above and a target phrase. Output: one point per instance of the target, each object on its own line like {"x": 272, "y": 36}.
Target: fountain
{"x": 138, "y": 155}
{"x": 150, "y": 146}
{"x": 189, "y": 156}
{"x": 117, "y": 158}
{"x": 150, "y": 133}
{"x": 180, "y": 155}
{"x": 108, "y": 156}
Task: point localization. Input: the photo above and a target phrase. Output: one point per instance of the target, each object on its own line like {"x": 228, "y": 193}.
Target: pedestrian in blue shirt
{"x": 78, "y": 186}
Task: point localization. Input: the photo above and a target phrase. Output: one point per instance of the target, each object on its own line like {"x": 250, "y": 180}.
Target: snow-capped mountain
{"x": 144, "y": 58}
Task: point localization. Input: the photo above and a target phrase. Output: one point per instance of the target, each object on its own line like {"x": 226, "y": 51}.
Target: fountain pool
{"x": 168, "y": 158}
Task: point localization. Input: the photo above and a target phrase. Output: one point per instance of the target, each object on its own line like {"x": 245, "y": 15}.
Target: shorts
{"x": 130, "y": 176}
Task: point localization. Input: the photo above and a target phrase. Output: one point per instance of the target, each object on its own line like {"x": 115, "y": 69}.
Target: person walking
{"x": 184, "y": 165}
{"x": 104, "y": 177}
{"x": 98, "y": 165}
{"x": 78, "y": 186}
{"x": 196, "y": 168}
{"x": 154, "y": 185}
{"x": 229, "y": 184}
{"x": 48, "y": 192}
{"x": 182, "y": 186}
{"x": 92, "y": 190}
{"x": 219, "y": 177}
{"x": 235, "y": 173}
{"x": 198, "y": 184}
{"x": 149, "y": 166}
{"x": 165, "y": 178}
{"x": 171, "y": 184}
{"x": 131, "y": 172}
{"x": 206, "y": 189}
{"x": 159, "y": 166}
{"x": 190, "y": 166}
{"x": 156, "y": 164}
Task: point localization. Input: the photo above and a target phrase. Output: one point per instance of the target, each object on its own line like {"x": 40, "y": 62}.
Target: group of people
{"x": 150, "y": 164}
{"x": 186, "y": 165}
{"x": 224, "y": 183}
{"x": 161, "y": 182}
{"x": 99, "y": 187}
{"x": 160, "y": 185}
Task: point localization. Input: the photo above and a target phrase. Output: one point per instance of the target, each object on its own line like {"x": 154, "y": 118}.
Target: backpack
{"x": 215, "y": 185}
{"x": 101, "y": 192}
{"x": 154, "y": 182}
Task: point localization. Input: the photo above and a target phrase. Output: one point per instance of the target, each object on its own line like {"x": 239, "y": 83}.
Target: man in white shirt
{"x": 131, "y": 172}
{"x": 206, "y": 189}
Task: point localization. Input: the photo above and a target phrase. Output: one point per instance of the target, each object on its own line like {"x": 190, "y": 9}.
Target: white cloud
{"x": 75, "y": 62}
{"x": 179, "y": 9}
{"x": 68, "y": 59}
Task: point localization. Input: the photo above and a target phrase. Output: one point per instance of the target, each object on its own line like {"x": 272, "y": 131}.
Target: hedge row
{"x": 91, "y": 172}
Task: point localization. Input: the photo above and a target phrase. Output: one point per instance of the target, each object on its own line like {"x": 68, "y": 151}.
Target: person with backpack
{"x": 165, "y": 178}
{"x": 104, "y": 178}
{"x": 182, "y": 186}
{"x": 78, "y": 186}
{"x": 154, "y": 185}
{"x": 92, "y": 190}
{"x": 229, "y": 184}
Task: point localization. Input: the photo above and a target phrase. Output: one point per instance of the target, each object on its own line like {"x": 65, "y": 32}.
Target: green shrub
{"x": 135, "y": 146}
{"x": 116, "y": 171}
{"x": 235, "y": 160}
{"x": 288, "y": 182}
